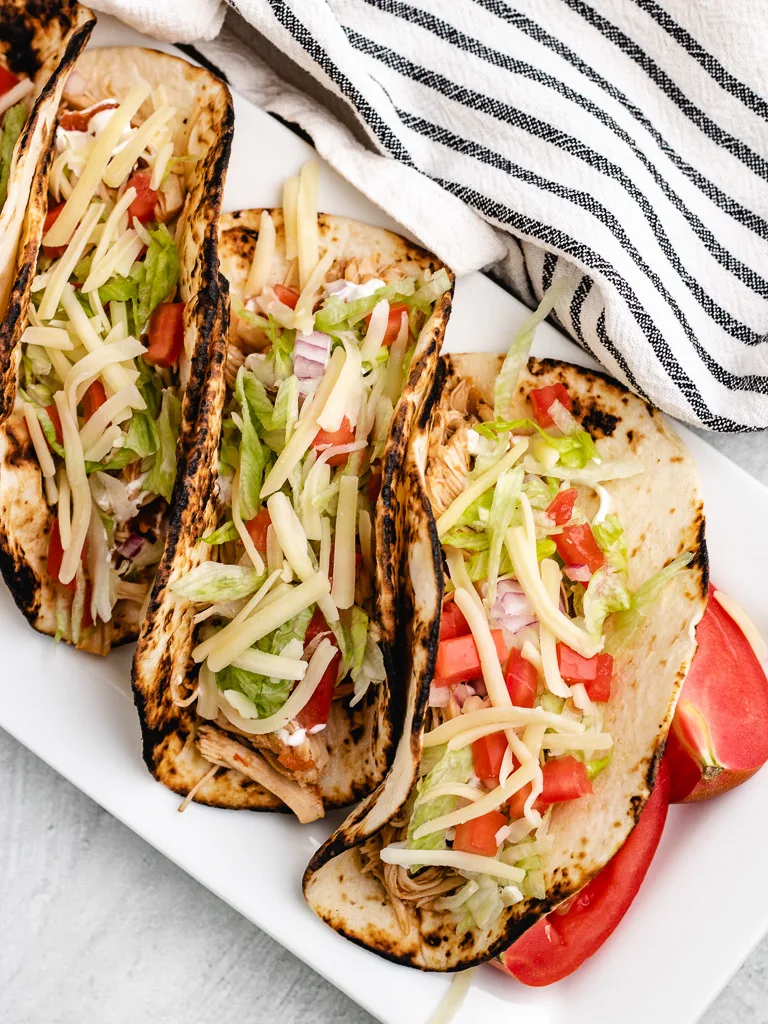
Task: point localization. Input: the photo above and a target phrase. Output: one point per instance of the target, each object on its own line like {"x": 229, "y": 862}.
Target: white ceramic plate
{"x": 686, "y": 933}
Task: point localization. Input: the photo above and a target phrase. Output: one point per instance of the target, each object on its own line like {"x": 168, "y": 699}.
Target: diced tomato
{"x": 143, "y": 206}
{"x": 393, "y": 323}
{"x": 291, "y": 760}
{"x": 288, "y": 296}
{"x": 53, "y": 412}
{"x": 329, "y": 439}
{"x": 595, "y": 673}
{"x": 488, "y": 753}
{"x": 8, "y": 81}
{"x": 542, "y": 399}
{"x": 317, "y": 625}
{"x": 458, "y": 659}
{"x": 452, "y": 622}
{"x": 565, "y": 778}
{"x": 576, "y": 545}
{"x": 374, "y": 485}
{"x": 317, "y": 710}
{"x": 166, "y": 334}
{"x": 560, "y": 943}
{"x": 560, "y": 509}
{"x": 78, "y": 120}
{"x": 257, "y": 529}
{"x": 522, "y": 680}
{"x": 53, "y": 251}
{"x": 479, "y": 835}
{"x": 94, "y": 397}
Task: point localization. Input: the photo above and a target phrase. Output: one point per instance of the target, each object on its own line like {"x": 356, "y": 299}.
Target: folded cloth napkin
{"x": 619, "y": 143}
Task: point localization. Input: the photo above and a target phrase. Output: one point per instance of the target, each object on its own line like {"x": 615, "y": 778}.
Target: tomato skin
{"x": 560, "y": 943}
{"x": 95, "y": 396}
{"x": 394, "y": 322}
{"x": 318, "y": 708}
{"x": 53, "y": 251}
{"x": 560, "y": 509}
{"x": 288, "y": 296}
{"x": 487, "y": 754}
{"x": 564, "y": 779}
{"x": 317, "y": 625}
{"x": 53, "y": 412}
{"x": 330, "y": 438}
{"x": 166, "y": 334}
{"x": 599, "y": 690}
{"x": 8, "y": 81}
{"x": 576, "y": 545}
{"x": 542, "y": 399}
{"x": 143, "y": 206}
{"x": 458, "y": 660}
{"x": 257, "y": 529}
{"x": 479, "y": 835}
{"x": 452, "y": 622}
{"x": 522, "y": 680}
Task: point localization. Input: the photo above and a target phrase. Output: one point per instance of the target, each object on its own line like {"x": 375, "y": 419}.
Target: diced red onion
{"x": 461, "y": 692}
{"x": 511, "y": 610}
{"x": 310, "y": 357}
{"x": 131, "y": 546}
{"x": 439, "y": 696}
{"x": 578, "y": 573}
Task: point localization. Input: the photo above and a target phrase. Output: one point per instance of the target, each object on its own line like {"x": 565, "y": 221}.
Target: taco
{"x": 125, "y": 310}
{"x": 263, "y": 673}
{"x": 39, "y": 44}
{"x": 557, "y": 569}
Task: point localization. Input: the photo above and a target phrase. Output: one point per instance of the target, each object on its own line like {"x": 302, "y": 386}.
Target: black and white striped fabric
{"x": 623, "y": 143}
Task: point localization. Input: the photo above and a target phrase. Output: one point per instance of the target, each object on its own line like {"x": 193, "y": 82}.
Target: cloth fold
{"x": 620, "y": 143}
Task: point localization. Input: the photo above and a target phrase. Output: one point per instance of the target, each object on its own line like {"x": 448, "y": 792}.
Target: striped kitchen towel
{"x": 623, "y": 143}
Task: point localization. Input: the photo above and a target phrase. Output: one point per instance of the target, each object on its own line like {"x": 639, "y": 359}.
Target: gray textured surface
{"x": 96, "y": 927}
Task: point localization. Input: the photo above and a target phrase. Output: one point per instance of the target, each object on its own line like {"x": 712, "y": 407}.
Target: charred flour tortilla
{"x": 391, "y": 911}
{"x": 345, "y": 758}
{"x": 39, "y": 41}
{"x": 168, "y": 259}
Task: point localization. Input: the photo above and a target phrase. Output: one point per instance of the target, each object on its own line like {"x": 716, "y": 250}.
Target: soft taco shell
{"x": 41, "y": 39}
{"x": 662, "y": 515}
{"x": 360, "y": 740}
{"x": 204, "y": 104}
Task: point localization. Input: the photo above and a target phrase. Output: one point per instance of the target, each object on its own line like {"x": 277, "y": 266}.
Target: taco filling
{"x": 103, "y": 357}
{"x": 286, "y": 609}
{"x": 16, "y": 97}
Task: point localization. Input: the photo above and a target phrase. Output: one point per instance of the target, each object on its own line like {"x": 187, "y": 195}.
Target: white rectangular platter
{"x": 686, "y": 933}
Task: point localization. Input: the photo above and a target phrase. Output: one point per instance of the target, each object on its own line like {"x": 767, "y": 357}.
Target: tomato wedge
{"x": 257, "y": 529}
{"x": 576, "y": 545}
{"x": 487, "y": 754}
{"x": 458, "y": 660}
{"x": 8, "y": 81}
{"x": 542, "y": 399}
{"x": 94, "y": 397}
{"x": 143, "y": 206}
{"x": 330, "y": 438}
{"x": 393, "y": 323}
{"x": 565, "y": 778}
{"x": 53, "y": 251}
{"x": 317, "y": 625}
{"x": 166, "y": 334}
{"x": 522, "y": 680}
{"x": 479, "y": 834}
{"x": 318, "y": 708}
{"x": 53, "y": 412}
{"x": 560, "y": 509}
{"x": 288, "y": 296}
{"x": 595, "y": 673}
{"x": 560, "y": 943}
{"x": 452, "y": 622}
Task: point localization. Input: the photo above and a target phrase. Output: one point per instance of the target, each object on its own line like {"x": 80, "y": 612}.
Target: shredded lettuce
{"x": 286, "y": 411}
{"x": 453, "y": 766}
{"x": 161, "y": 475}
{"x": 545, "y": 548}
{"x": 251, "y": 394}
{"x": 644, "y": 599}
{"x": 214, "y": 581}
{"x": 598, "y": 765}
{"x": 610, "y": 538}
{"x": 607, "y": 592}
{"x": 517, "y": 357}
{"x": 49, "y": 430}
{"x": 467, "y": 538}
{"x": 225, "y": 533}
{"x": 506, "y": 495}
{"x": 156, "y": 276}
{"x": 229, "y": 449}
{"x": 336, "y": 315}
{"x": 574, "y": 450}
{"x": 13, "y": 123}
{"x": 143, "y": 434}
{"x": 358, "y": 634}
